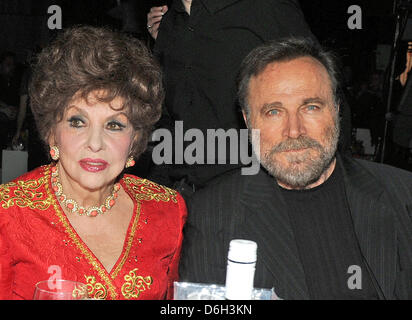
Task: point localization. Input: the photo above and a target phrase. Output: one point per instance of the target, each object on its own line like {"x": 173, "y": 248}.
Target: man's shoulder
{"x": 228, "y": 187}
{"x": 383, "y": 170}
{"x": 393, "y": 180}
{"x": 225, "y": 180}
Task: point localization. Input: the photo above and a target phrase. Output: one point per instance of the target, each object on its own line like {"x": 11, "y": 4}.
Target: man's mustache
{"x": 296, "y": 144}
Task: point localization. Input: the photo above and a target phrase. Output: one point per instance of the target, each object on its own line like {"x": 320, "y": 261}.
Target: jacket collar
{"x": 371, "y": 212}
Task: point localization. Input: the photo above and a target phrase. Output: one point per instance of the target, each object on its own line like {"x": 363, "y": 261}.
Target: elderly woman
{"x": 95, "y": 95}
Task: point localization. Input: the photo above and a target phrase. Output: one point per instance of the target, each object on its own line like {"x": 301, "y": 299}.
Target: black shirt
{"x": 326, "y": 241}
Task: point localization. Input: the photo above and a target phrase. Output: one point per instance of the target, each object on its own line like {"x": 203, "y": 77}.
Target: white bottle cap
{"x": 243, "y": 251}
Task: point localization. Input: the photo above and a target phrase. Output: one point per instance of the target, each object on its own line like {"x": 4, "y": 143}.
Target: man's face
{"x": 292, "y": 104}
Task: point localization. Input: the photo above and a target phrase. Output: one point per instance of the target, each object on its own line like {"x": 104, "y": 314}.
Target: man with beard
{"x": 200, "y": 45}
{"x": 326, "y": 226}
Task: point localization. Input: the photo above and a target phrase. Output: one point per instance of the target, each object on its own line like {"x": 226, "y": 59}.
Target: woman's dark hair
{"x": 85, "y": 59}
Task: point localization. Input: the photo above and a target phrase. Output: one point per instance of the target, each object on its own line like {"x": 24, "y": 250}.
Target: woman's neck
{"x": 83, "y": 196}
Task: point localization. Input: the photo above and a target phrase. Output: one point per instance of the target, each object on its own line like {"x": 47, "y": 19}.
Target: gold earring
{"x": 130, "y": 162}
{"x": 54, "y": 153}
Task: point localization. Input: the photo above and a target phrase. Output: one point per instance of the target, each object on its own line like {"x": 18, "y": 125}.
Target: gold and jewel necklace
{"x": 73, "y": 206}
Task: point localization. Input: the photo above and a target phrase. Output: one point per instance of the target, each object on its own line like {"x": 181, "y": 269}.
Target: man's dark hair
{"x": 282, "y": 51}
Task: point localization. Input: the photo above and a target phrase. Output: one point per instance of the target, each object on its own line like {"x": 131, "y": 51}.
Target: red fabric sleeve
{"x": 6, "y": 261}
{"x": 173, "y": 273}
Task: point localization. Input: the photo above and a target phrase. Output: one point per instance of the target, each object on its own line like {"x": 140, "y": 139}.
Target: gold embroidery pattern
{"x": 80, "y": 293}
{"x": 129, "y": 242}
{"x": 76, "y": 240}
{"x": 134, "y": 284}
{"x": 147, "y": 190}
{"x": 95, "y": 290}
{"x": 24, "y": 194}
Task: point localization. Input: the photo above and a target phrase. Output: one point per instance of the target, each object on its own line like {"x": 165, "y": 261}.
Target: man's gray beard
{"x": 313, "y": 168}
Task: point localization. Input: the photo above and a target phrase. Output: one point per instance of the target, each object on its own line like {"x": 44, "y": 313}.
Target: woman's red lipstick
{"x": 93, "y": 165}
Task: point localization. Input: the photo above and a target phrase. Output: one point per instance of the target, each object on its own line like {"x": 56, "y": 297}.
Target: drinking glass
{"x": 60, "y": 290}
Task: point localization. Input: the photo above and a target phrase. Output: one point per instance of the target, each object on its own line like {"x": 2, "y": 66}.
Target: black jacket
{"x": 249, "y": 207}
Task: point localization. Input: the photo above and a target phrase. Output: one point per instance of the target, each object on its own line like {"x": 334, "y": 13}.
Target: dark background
{"x": 23, "y": 23}
{"x": 23, "y": 27}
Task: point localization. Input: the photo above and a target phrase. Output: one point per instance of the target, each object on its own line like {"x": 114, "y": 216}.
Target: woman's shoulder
{"x": 28, "y": 190}
{"x": 147, "y": 190}
{"x": 31, "y": 178}
{"x": 158, "y": 200}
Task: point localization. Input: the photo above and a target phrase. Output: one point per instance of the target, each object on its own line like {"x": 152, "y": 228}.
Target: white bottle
{"x": 240, "y": 272}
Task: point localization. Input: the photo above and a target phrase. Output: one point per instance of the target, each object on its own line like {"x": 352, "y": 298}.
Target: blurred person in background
{"x": 9, "y": 97}
{"x": 25, "y": 120}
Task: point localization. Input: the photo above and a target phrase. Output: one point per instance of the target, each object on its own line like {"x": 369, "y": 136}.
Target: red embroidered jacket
{"x": 36, "y": 239}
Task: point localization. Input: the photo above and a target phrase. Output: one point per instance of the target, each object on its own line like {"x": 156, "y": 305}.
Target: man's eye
{"x": 76, "y": 122}
{"x": 115, "y": 126}
{"x": 273, "y": 112}
{"x": 312, "y": 107}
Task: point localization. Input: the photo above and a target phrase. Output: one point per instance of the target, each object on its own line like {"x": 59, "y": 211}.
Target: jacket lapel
{"x": 373, "y": 218}
{"x": 267, "y": 223}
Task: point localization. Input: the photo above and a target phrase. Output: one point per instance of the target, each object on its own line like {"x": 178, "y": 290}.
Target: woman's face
{"x": 94, "y": 142}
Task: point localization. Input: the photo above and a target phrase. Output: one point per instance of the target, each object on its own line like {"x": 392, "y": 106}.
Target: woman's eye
{"x": 115, "y": 126}
{"x": 76, "y": 122}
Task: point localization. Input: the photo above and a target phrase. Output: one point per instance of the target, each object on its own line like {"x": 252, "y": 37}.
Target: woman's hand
{"x": 154, "y": 17}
